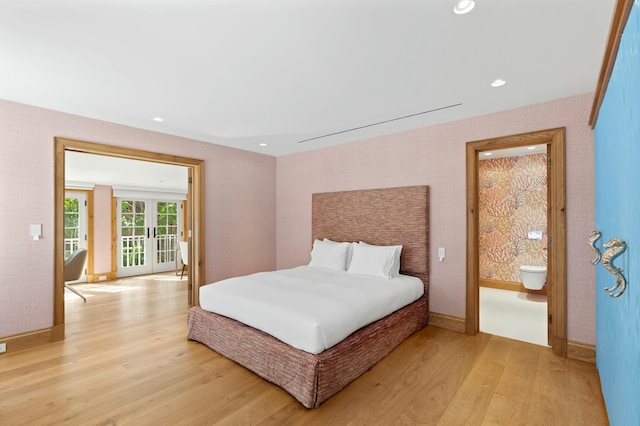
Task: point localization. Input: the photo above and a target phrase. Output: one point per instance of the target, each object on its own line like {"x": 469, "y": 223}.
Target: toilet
{"x": 533, "y": 277}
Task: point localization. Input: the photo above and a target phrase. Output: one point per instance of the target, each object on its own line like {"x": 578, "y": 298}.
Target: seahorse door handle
{"x": 615, "y": 247}
{"x": 595, "y": 236}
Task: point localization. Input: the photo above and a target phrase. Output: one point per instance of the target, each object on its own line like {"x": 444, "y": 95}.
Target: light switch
{"x": 441, "y": 253}
{"x": 36, "y": 231}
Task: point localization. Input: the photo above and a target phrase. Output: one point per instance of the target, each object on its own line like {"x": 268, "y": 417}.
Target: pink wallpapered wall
{"x": 240, "y": 204}
{"x": 243, "y": 190}
{"x": 512, "y": 199}
{"x": 101, "y": 229}
{"x": 435, "y": 156}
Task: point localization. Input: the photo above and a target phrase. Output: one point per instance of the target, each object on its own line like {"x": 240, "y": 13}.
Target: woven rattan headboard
{"x": 378, "y": 216}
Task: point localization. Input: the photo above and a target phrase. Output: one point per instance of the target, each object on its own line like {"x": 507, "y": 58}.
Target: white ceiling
{"x": 240, "y": 73}
{"x": 87, "y": 169}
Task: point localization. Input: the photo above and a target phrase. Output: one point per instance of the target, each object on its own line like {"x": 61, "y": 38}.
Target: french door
{"x": 148, "y": 232}
{"x": 75, "y": 224}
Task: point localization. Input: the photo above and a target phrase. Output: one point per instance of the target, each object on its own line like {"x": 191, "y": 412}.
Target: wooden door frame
{"x": 556, "y": 223}
{"x": 195, "y": 208}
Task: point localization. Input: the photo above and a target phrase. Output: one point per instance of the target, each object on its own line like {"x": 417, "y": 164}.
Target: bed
{"x": 392, "y": 216}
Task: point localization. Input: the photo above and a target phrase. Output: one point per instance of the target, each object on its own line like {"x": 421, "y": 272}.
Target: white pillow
{"x": 395, "y": 269}
{"x": 329, "y": 255}
{"x": 378, "y": 261}
{"x": 349, "y": 250}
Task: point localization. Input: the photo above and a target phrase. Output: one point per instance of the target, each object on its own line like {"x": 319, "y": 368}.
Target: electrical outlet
{"x": 3, "y": 347}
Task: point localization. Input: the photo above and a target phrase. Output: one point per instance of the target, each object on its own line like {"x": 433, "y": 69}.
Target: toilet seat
{"x": 533, "y": 269}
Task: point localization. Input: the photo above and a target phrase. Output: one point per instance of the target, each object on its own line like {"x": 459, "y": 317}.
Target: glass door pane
{"x": 75, "y": 224}
{"x": 133, "y": 233}
{"x": 71, "y": 226}
{"x": 166, "y": 235}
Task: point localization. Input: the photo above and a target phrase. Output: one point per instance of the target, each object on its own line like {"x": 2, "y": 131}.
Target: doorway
{"x": 147, "y": 235}
{"x": 512, "y": 234}
{"x": 194, "y": 216}
{"x": 554, "y": 139}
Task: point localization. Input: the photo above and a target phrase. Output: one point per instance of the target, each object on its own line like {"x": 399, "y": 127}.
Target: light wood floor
{"x": 125, "y": 360}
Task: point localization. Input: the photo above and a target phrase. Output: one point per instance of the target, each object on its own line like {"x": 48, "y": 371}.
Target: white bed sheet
{"x": 309, "y": 308}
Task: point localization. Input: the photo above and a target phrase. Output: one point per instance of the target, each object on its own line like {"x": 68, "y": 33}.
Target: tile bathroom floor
{"x": 515, "y": 315}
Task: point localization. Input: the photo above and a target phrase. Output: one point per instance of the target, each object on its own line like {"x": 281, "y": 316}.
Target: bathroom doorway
{"x": 512, "y": 246}
{"x": 553, "y": 240}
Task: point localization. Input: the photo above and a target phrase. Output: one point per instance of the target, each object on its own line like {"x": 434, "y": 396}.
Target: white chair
{"x": 73, "y": 267}
{"x": 184, "y": 255}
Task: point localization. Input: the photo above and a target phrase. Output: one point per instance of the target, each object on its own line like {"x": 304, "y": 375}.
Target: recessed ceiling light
{"x": 263, "y": 144}
{"x": 498, "y": 82}
{"x": 159, "y": 119}
{"x": 487, "y": 154}
{"x": 531, "y": 147}
{"x": 464, "y": 6}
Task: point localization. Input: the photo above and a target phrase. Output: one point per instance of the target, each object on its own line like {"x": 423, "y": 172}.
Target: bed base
{"x": 388, "y": 216}
{"x": 309, "y": 378}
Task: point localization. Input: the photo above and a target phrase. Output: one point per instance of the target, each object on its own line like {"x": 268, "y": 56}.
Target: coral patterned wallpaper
{"x": 513, "y": 201}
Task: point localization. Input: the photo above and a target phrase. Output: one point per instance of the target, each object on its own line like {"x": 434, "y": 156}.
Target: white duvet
{"x": 309, "y": 308}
